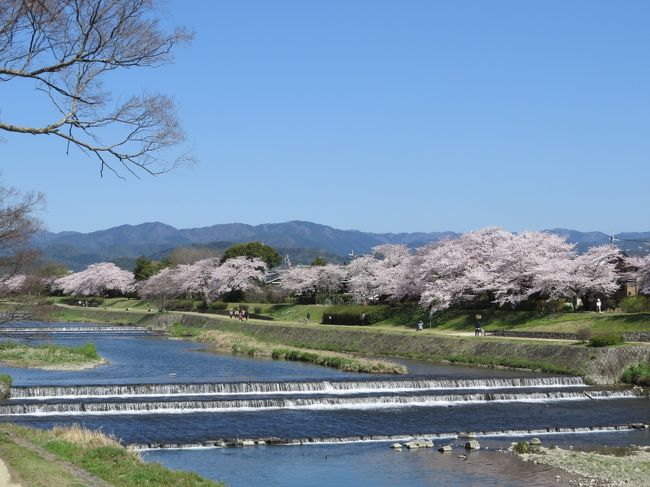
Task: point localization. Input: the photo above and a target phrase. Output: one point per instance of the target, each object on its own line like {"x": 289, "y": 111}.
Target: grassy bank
{"x": 255, "y": 347}
{"x": 49, "y": 356}
{"x": 599, "y": 365}
{"x": 101, "y": 456}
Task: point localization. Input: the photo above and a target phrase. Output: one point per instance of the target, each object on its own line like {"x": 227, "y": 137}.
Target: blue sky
{"x": 380, "y": 116}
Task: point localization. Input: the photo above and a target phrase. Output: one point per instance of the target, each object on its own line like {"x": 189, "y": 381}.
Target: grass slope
{"x": 93, "y": 452}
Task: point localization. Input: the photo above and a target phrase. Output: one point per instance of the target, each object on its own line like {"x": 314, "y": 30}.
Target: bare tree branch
{"x": 65, "y": 47}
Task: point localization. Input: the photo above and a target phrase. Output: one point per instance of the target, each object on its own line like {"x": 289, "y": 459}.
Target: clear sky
{"x": 381, "y": 116}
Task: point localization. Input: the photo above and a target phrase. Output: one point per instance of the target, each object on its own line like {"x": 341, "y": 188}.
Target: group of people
{"x": 241, "y": 315}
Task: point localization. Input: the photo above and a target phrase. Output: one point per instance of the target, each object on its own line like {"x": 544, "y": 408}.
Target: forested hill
{"x": 301, "y": 240}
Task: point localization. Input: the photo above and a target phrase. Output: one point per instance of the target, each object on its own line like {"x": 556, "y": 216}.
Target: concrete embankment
{"x": 596, "y": 365}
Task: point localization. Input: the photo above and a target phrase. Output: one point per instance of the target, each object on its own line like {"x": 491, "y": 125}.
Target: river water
{"x": 175, "y": 400}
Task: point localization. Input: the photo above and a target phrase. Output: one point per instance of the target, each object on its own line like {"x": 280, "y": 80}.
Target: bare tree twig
{"x": 65, "y": 47}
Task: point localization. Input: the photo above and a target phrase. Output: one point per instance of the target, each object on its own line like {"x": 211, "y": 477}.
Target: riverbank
{"x": 237, "y": 343}
{"x": 612, "y": 467}
{"x": 597, "y": 365}
{"x": 72, "y": 456}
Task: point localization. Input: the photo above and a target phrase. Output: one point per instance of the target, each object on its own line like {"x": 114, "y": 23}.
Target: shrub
{"x": 635, "y": 304}
{"x": 606, "y": 340}
{"x": 89, "y": 350}
{"x": 584, "y": 333}
{"x": 257, "y": 310}
{"x": 355, "y": 314}
{"x": 218, "y": 305}
{"x": 180, "y": 305}
{"x": 91, "y": 302}
{"x": 525, "y": 447}
{"x": 637, "y": 374}
{"x": 180, "y": 331}
{"x": 568, "y": 308}
{"x": 5, "y": 386}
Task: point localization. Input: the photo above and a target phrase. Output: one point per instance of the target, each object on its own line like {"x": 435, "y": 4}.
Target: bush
{"x": 525, "y": 447}
{"x": 92, "y": 302}
{"x": 568, "y": 308}
{"x": 355, "y": 314}
{"x": 635, "y": 304}
{"x": 637, "y": 374}
{"x": 181, "y": 305}
{"x": 606, "y": 340}
{"x": 89, "y": 350}
{"x": 6, "y": 379}
{"x": 584, "y": 333}
{"x": 179, "y": 331}
{"x": 257, "y": 310}
{"x": 218, "y": 306}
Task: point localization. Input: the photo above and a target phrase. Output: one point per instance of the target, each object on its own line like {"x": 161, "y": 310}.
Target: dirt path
{"x": 5, "y": 477}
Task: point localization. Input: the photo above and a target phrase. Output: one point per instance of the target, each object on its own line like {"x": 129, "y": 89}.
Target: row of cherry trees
{"x": 207, "y": 278}
{"x": 507, "y": 267}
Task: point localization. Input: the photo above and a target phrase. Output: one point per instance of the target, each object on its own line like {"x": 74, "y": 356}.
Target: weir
{"x": 39, "y": 330}
{"x": 332, "y": 403}
{"x": 272, "y": 441}
{"x": 306, "y": 387}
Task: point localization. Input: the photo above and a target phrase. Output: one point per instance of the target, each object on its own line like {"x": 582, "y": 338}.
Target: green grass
{"x": 111, "y": 462}
{"x": 24, "y": 355}
{"x": 340, "y": 363}
{"x": 245, "y": 349}
{"x": 407, "y": 315}
{"x": 498, "y": 319}
{"x": 32, "y": 469}
{"x": 180, "y": 331}
{"x": 6, "y": 379}
{"x": 637, "y": 374}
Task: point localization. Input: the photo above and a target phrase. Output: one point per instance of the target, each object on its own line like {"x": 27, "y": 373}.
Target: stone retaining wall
{"x": 640, "y": 336}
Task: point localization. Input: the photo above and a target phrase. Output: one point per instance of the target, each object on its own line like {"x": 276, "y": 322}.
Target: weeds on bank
{"x": 104, "y": 457}
{"x": 24, "y": 355}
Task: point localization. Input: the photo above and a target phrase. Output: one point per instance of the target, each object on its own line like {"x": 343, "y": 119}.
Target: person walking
{"x": 478, "y": 329}
{"x": 598, "y": 305}
{"x": 420, "y": 325}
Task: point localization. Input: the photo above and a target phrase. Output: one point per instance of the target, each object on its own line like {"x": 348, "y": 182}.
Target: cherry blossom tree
{"x": 238, "y": 274}
{"x": 163, "y": 286}
{"x": 96, "y": 280}
{"x": 206, "y": 277}
{"x": 641, "y": 272}
{"x": 385, "y": 273}
{"x": 309, "y": 281}
{"x": 595, "y": 272}
{"x": 511, "y": 268}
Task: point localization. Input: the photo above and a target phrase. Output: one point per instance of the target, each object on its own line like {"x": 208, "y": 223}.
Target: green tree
{"x": 145, "y": 268}
{"x": 318, "y": 261}
{"x": 254, "y": 249}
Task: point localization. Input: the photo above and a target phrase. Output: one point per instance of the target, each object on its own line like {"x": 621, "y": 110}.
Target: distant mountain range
{"x": 301, "y": 240}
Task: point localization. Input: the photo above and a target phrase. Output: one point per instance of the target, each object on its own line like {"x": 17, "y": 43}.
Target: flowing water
{"x": 179, "y": 404}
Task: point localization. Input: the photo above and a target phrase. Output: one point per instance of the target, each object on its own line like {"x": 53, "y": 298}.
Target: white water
{"x": 261, "y": 388}
{"x": 315, "y": 403}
